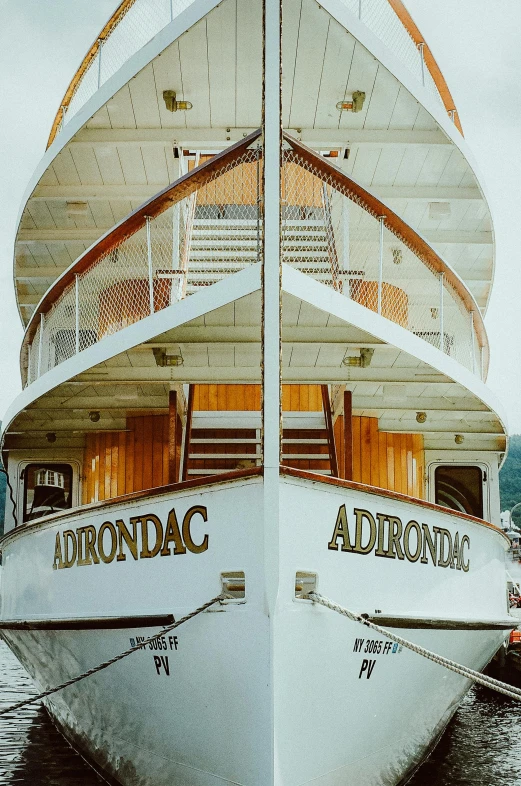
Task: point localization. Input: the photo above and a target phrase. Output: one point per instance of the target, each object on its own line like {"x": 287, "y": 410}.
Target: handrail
{"x": 189, "y": 183}
{"x": 430, "y": 61}
{"x": 121, "y": 11}
{"x": 396, "y": 224}
{"x": 112, "y": 23}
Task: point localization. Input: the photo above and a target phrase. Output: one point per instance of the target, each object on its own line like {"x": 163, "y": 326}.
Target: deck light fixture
{"x": 459, "y": 438}
{"x": 94, "y": 416}
{"x": 362, "y": 361}
{"x": 355, "y": 105}
{"x": 50, "y": 436}
{"x": 77, "y": 208}
{"x": 421, "y": 417}
{"x": 172, "y": 104}
{"x": 163, "y": 360}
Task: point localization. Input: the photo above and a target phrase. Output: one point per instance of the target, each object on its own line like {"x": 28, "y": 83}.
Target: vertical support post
{"x": 345, "y": 234}
{"x": 271, "y": 351}
{"x": 359, "y": 9}
{"x": 172, "y": 434}
{"x": 29, "y": 364}
{"x": 472, "y": 342}
{"x": 442, "y": 315}
{"x": 348, "y": 435}
{"x": 40, "y": 344}
{"x": 381, "y": 263}
{"x": 421, "y": 47}
{"x": 188, "y": 431}
{"x": 171, "y": 10}
{"x": 77, "y": 311}
{"x": 482, "y": 362}
{"x": 100, "y": 47}
{"x": 150, "y": 270}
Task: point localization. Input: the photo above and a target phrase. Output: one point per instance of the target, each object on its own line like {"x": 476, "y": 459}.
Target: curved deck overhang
{"x": 125, "y": 6}
{"x": 456, "y": 401}
{"x": 185, "y": 21}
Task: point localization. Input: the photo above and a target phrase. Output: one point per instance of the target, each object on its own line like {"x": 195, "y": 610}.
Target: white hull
{"x": 253, "y": 698}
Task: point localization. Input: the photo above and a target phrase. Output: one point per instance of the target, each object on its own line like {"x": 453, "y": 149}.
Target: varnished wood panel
{"x": 247, "y": 398}
{"x": 390, "y": 461}
{"x": 119, "y": 463}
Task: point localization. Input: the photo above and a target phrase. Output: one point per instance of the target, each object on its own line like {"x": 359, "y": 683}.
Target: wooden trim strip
{"x": 91, "y": 623}
{"x": 435, "y": 623}
{"x": 326, "y": 406}
{"x": 175, "y": 192}
{"x": 430, "y": 61}
{"x": 394, "y": 223}
{"x": 202, "y": 482}
{"x": 112, "y": 23}
{"x": 421, "y": 503}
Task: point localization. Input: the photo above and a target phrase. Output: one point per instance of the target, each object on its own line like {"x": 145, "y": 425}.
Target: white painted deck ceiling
{"x": 125, "y": 153}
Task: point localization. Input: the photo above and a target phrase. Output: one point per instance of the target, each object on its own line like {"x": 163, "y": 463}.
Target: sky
{"x": 476, "y": 44}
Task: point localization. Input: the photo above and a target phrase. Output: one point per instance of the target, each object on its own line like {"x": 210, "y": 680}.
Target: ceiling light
{"x": 162, "y": 359}
{"x": 94, "y": 416}
{"x": 172, "y": 104}
{"x": 362, "y": 361}
{"x": 439, "y": 210}
{"x": 355, "y": 105}
{"x": 421, "y": 417}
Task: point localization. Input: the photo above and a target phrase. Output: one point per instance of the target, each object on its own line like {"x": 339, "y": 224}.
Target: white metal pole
{"x": 345, "y": 228}
{"x": 270, "y": 337}
{"x": 381, "y": 263}
{"x": 40, "y": 344}
{"x": 29, "y": 364}
{"x": 422, "y": 61}
{"x": 472, "y": 342}
{"x": 171, "y": 10}
{"x": 442, "y": 315}
{"x": 150, "y": 271}
{"x": 359, "y": 9}
{"x": 77, "y": 311}
{"x": 100, "y": 47}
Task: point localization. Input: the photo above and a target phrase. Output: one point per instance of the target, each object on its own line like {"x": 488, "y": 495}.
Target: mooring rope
{"x": 489, "y": 682}
{"x": 107, "y": 663}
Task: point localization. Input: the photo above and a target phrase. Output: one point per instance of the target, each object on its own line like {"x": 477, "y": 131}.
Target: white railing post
{"x": 100, "y": 47}
{"x": 29, "y": 364}
{"x": 150, "y": 271}
{"x": 345, "y": 233}
{"x": 472, "y": 342}
{"x": 77, "y": 311}
{"x": 422, "y": 61}
{"x": 442, "y": 315}
{"x": 482, "y": 362}
{"x": 171, "y": 10}
{"x": 359, "y": 9}
{"x": 381, "y": 219}
{"x": 40, "y": 344}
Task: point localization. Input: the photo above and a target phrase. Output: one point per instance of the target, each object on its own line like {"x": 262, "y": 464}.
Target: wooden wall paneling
{"x": 397, "y": 463}
{"x": 138, "y": 453}
{"x": 114, "y": 464}
{"x": 402, "y": 440}
{"x": 172, "y": 436}
{"x": 357, "y": 455}
{"x": 382, "y": 460}
{"x": 373, "y": 450}
{"x": 122, "y": 462}
{"x": 147, "y": 451}
{"x": 157, "y": 450}
{"x": 410, "y": 474}
{"x": 390, "y": 461}
{"x": 129, "y": 456}
{"x": 365, "y": 449}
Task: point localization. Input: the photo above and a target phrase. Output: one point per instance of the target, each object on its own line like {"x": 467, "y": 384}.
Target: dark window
{"x": 460, "y": 488}
{"x": 47, "y": 489}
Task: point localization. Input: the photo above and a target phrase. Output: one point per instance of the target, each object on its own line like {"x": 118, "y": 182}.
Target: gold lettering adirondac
{"x": 143, "y": 537}
{"x": 388, "y": 536}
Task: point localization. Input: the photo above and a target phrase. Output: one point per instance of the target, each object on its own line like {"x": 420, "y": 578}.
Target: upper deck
{"x": 115, "y": 144}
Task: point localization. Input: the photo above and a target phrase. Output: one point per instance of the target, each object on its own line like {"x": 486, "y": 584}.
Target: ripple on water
{"x": 481, "y": 746}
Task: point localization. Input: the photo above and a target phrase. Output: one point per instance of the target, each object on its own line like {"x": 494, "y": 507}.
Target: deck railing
{"x": 208, "y": 225}
{"x": 136, "y": 22}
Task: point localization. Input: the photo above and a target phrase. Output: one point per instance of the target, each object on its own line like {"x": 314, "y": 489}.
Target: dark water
{"x": 482, "y": 745}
